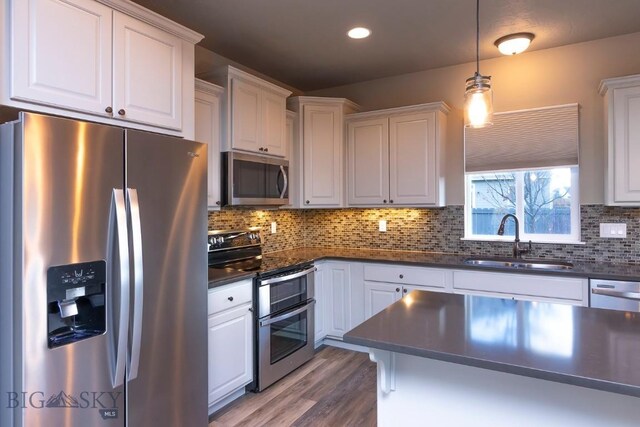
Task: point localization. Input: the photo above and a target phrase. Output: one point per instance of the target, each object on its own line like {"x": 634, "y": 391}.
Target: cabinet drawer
{"x": 230, "y": 296}
{"x": 405, "y": 275}
{"x": 570, "y": 288}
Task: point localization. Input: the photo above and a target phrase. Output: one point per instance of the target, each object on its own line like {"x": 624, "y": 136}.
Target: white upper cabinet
{"x": 396, "y": 156}
{"x": 368, "y": 167}
{"x": 147, "y": 64}
{"x": 207, "y": 130}
{"x": 622, "y": 107}
{"x": 319, "y": 151}
{"x": 245, "y": 116}
{"x": 254, "y": 113}
{"x": 63, "y": 65}
{"x": 83, "y": 59}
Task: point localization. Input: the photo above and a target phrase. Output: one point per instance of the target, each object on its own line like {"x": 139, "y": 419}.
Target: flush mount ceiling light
{"x": 478, "y": 96}
{"x": 514, "y": 44}
{"x": 359, "y": 33}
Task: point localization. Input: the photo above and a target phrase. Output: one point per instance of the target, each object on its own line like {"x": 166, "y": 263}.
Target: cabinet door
{"x": 412, "y": 154}
{"x": 322, "y": 139}
{"x": 147, "y": 64}
{"x": 626, "y": 149}
{"x": 207, "y": 130}
{"x": 321, "y": 303}
{"x": 245, "y": 116}
{"x": 274, "y": 117}
{"x": 378, "y": 296}
{"x": 338, "y": 289}
{"x": 61, "y": 53}
{"x": 368, "y": 160}
{"x": 230, "y": 351}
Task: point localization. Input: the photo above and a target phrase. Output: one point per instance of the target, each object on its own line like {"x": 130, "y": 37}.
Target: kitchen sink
{"x": 523, "y": 264}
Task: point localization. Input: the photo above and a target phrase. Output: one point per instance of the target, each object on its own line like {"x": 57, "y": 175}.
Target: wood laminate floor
{"x": 335, "y": 388}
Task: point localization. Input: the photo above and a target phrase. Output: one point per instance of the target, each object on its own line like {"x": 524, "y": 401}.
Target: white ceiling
{"x": 303, "y": 43}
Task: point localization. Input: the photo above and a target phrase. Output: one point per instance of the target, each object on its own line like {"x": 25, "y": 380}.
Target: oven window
{"x": 288, "y": 336}
{"x": 287, "y": 294}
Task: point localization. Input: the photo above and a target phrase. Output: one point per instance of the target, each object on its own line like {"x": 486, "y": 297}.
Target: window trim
{"x": 573, "y": 238}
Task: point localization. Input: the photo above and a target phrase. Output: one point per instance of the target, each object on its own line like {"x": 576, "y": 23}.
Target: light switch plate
{"x": 274, "y": 227}
{"x": 382, "y": 225}
{"x": 613, "y": 231}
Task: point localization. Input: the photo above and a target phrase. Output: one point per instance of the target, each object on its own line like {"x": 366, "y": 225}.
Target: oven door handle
{"x": 635, "y": 296}
{"x": 289, "y": 277}
{"x": 285, "y": 316}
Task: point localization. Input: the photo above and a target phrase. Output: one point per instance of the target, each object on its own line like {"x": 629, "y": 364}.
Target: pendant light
{"x": 478, "y": 96}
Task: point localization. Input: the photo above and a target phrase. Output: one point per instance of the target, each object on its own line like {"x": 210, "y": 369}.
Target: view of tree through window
{"x": 541, "y": 199}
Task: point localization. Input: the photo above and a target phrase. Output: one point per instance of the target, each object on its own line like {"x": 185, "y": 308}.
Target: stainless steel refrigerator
{"x": 103, "y": 289}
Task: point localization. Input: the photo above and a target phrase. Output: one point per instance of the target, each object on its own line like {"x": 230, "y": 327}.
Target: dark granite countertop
{"x": 593, "y": 270}
{"x": 277, "y": 260}
{"x": 581, "y": 346}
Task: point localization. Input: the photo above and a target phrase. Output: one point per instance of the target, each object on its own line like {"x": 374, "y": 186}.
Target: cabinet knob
{"x": 261, "y": 149}
{"x": 307, "y": 202}
{"x": 405, "y": 290}
{"x": 384, "y": 201}
{"x": 402, "y": 276}
{"x": 390, "y": 201}
{"x": 397, "y": 289}
{"x": 108, "y": 110}
{"x": 266, "y": 150}
{"x": 122, "y": 112}
{"x": 218, "y": 203}
{"x": 230, "y": 298}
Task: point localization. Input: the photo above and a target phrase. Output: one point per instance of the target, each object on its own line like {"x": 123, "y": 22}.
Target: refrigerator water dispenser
{"x": 75, "y": 302}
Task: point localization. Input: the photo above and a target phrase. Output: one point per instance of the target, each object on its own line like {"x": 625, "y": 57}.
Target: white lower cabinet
{"x": 333, "y": 299}
{"x": 378, "y": 296}
{"x": 230, "y": 340}
{"x": 530, "y": 287}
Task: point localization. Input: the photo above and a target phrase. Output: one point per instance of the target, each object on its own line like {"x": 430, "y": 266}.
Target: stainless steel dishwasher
{"x": 615, "y": 295}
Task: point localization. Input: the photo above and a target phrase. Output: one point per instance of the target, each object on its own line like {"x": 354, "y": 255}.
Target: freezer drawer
{"x": 615, "y": 295}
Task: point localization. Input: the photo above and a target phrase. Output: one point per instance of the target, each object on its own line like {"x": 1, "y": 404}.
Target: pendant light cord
{"x": 477, "y": 37}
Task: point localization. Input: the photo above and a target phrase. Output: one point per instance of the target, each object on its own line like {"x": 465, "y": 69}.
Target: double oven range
{"x": 283, "y": 301}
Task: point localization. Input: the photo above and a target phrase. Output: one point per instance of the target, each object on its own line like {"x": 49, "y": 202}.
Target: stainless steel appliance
{"x": 615, "y": 295}
{"x": 253, "y": 180}
{"x": 283, "y": 300}
{"x": 103, "y": 302}
{"x": 285, "y": 322}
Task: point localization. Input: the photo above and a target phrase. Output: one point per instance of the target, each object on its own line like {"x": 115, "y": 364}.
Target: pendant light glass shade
{"x": 478, "y": 96}
{"x": 478, "y": 102}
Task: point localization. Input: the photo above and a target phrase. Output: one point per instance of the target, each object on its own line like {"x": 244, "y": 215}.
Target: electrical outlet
{"x": 274, "y": 227}
{"x": 613, "y": 231}
{"x": 382, "y": 225}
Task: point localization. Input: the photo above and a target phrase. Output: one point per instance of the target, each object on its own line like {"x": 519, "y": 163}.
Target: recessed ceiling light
{"x": 359, "y": 33}
{"x": 514, "y": 43}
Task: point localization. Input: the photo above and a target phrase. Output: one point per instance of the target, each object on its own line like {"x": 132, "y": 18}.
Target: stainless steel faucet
{"x": 517, "y": 251}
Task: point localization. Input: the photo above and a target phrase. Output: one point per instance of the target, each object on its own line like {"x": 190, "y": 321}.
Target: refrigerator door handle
{"x": 118, "y": 217}
{"x": 138, "y": 282}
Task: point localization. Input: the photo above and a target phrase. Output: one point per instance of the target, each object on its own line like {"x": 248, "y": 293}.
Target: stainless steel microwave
{"x": 253, "y": 180}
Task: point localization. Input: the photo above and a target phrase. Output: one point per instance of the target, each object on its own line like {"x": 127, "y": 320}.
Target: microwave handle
{"x": 286, "y": 182}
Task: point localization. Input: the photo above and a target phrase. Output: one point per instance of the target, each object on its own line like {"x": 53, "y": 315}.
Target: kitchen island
{"x": 459, "y": 360}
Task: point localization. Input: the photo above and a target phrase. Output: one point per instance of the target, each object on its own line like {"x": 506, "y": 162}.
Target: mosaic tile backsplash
{"x": 433, "y": 230}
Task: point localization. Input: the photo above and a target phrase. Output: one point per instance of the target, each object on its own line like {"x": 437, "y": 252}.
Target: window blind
{"x": 526, "y": 139}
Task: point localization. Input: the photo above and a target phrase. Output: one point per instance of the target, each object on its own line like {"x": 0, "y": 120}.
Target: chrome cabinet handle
{"x": 285, "y": 316}
{"x": 138, "y": 281}
{"x": 118, "y": 218}
{"x": 635, "y": 296}
{"x": 289, "y": 277}
{"x": 122, "y": 112}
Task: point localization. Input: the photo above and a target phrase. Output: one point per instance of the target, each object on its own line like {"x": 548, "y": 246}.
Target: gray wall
{"x": 561, "y": 75}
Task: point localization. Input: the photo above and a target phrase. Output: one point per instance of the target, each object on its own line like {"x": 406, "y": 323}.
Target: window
{"x": 544, "y": 200}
